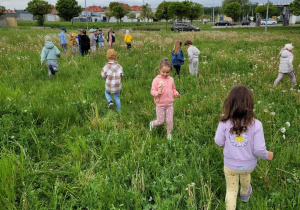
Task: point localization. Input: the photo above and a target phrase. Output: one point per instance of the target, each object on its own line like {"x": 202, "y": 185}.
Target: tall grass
{"x": 61, "y": 148}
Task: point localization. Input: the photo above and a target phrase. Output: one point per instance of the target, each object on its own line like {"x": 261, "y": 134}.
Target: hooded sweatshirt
{"x": 241, "y": 152}
{"x": 193, "y": 52}
{"x": 49, "y": 52}
{"x": 168, "y": 90}
{"x": 286, "y": 61}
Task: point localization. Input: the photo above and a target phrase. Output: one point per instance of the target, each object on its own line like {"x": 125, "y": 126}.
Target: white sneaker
{"x": 169, "y": 137}
{"x": 151, "y": 126}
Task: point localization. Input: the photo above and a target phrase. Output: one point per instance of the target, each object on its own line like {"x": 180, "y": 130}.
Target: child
{"x": 243, "y": 139}
{"x": 73, "y": 42}
{"x": 63, "y": 39}
{"x": 101, "y": 38}
{"x": 111, "y": 38}
{"x": 163, "y": 89}
{"x": 93, "y": 40}
{"x": 84, "y": 42}
{"x": 50, "y": 54}
{"x": 177, "y": 57}
{"x": 193, "y": 54}
{"x": 286, "y": 64}
{"x": 128, "y": 39}
{"x": 112, "y": 73}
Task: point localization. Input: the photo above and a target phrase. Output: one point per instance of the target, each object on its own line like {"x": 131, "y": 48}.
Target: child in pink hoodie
{"x": 163, "y": 90}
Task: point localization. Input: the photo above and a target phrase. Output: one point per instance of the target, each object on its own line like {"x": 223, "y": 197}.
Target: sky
{"x": 22, "y": 4}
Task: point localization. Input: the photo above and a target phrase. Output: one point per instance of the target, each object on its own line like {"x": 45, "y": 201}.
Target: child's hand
{"x": 270, "y": 155}
{"x": 177, "y": 95}
{"x": 42, "y": 64}
{"x": 159, "y": 90}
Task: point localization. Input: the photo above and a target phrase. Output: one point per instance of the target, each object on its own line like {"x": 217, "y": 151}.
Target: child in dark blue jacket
{"x": 177, "y": 57}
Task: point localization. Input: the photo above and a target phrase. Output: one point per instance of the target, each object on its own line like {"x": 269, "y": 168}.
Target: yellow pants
{"x": 232, "y": 185}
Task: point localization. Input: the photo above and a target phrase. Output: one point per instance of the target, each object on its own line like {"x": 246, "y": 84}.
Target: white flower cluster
{"x": 283, "y": 129}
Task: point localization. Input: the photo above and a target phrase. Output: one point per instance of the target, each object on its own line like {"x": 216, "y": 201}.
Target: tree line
{"x": 166, "y": 10}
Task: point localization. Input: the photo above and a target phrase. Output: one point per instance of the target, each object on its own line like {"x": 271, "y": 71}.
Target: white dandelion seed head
{"x": 272, "y": 113}
{"x": 282, "y": 130}
{"x": 283, "y": 136}
{"x": 288, "y": 124}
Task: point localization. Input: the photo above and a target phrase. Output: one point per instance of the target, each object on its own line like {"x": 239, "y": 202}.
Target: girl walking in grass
{"x": 111, "y": 38}
{"x": 193, "y": 54}
{"x": 243, "y": 139}
{"x": 163, "y": 89}
{"x": 177, "y": 57}
{"x": 286, "y": 64}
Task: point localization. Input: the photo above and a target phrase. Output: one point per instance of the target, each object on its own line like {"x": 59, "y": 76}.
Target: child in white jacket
{"x": 286, "y": 64}
{"x": 193, "y": 54}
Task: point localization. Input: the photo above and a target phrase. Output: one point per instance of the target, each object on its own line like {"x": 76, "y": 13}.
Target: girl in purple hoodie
{"x": 163, "y": 89}
{"x": 243, "y": 139}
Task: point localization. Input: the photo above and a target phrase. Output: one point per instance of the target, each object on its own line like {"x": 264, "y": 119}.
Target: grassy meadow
{"x": 61, "y": 148}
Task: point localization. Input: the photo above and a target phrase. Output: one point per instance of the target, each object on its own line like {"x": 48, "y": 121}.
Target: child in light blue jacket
{"x": 50, "y": 53}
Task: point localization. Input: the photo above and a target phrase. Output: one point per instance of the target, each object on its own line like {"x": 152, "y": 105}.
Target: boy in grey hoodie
{"x": 50, "y": 53}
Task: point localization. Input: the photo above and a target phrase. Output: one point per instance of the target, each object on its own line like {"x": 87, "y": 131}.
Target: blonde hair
{"x": 177, "y": 46}
{"x": 165, "y": 62}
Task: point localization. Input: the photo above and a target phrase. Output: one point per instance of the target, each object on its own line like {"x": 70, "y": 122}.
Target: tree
{"x": 178, "y": 9}
{"x": 108, "y": 14}
{"x": 245, "y": 6}
{"x": 39, "y": 8}
{"x": 146, "y": 12}
{"x": 118, "y": 11}
{"x": 163, "y": 12}
{"x": 262, "y": 9}
{"x": 131, "y": 16}
{"x": 2, "y": 10}
{"x": 233, "y": 10}
{"x": 67, "y": 9}
{"x": 295, "y": 7}
{"x": 195, "y": 11}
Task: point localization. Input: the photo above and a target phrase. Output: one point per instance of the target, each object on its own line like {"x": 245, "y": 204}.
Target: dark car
{"x": 184, "y": 27}
{"x": 246, "y": 22}
{"x": 224, "y": 23}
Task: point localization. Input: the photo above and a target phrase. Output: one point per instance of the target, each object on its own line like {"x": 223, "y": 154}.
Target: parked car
{"x": 184, "y": 27}
{"x": 269, "y": 22}
{"x": 246, "y": 22}
{"x": 224, "y": 23}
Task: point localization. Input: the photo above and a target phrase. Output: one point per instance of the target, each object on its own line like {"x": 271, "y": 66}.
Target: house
{"x": 53, "y": 15}
{"x": 9, "y": 19}
{"x": 24, "y": 16}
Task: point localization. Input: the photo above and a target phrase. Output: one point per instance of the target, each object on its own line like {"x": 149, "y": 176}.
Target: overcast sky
{"x": 22, "y": 4}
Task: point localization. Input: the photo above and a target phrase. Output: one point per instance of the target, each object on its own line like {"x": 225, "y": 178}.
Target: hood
{"x": 49, "y": 45}
{"x": 285, "y": 53}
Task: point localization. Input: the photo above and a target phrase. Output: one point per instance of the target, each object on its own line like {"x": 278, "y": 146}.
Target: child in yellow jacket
{"x": 128, "y": 39}
{"x": 73, "y": 41}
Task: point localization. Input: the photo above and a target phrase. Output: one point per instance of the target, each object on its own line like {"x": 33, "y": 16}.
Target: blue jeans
{"x": 117, "y": 99}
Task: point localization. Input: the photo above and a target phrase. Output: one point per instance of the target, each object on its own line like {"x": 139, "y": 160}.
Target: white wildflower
{"x": 283, "y": 136}
{"x": 282, "y": 130}
{"x": 265, "y": 110}
{"x": 288, "y": 124}
{"x": 193, "y": 184}
{"x": 84, "y": 101}
{"x": 272, "y": 113}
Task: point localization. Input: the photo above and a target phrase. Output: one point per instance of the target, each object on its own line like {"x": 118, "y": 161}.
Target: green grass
{"x": 62, "y": 149}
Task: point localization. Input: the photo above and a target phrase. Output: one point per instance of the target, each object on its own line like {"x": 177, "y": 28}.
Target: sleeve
{"x": 181, "y": 58}
{"x": 290, "y": 62}
{"x": 174, "y": 88}
{"x": 220, "y": 135}
{"x": 57, "y": 52}
{"x": 259, "y": 144}
{"x": 95, "y": 37}
{"x": 190, "y": 55}
{"x": 154, "y": 88}
{"x": 103, "y": 73}
{"x": 43, "y": 55}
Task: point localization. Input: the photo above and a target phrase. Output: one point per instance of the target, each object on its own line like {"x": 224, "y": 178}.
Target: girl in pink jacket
{"x": 163, "y": 89}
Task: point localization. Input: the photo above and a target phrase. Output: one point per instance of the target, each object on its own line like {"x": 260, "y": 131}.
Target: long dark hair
{"x": 238, "y": 108}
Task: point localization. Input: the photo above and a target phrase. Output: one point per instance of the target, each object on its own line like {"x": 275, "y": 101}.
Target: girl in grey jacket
{"x": 50, "y": 53}
{"x": 286, "y": 64}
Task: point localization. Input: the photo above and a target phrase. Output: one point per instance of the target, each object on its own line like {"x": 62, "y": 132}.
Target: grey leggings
{"x": 281, "y": 75}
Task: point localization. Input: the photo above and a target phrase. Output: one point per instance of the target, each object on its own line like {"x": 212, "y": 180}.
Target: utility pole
{"x": 86, "y": 14}
{"x": 267, "y": 17}
{"x": 213, "y": 14}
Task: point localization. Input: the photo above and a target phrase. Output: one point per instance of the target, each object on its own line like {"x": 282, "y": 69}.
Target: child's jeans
{"x": 101, "y": 44}
{"x": 163, "y": 112}
{"x": 117, "y": 99}
{"x": 74, "y": 49}
{"x": 79, "y": 49}
{"x": 232, "y": 185}
{"x": 64, "y": 46}
{"x": 281, "y": 75}
{"x": 193, "y": 66}
{"x": 52, "y": 67}
{"x": 93, "y": 48}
